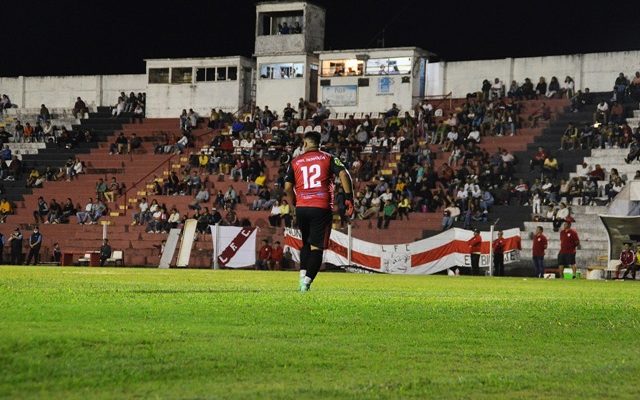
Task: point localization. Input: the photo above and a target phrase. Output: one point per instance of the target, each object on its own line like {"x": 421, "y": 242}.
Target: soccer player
{"x": 309, "y": 187}
{"x": 569, "y": 242}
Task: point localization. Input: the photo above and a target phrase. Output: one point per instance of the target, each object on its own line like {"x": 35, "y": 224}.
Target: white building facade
{"x": 372, "y": 80}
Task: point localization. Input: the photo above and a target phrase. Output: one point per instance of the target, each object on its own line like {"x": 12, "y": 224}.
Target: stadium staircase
{"x": 592, "y": 233}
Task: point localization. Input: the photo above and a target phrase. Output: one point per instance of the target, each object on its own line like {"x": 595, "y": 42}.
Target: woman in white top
{"x": 275, "y": 216}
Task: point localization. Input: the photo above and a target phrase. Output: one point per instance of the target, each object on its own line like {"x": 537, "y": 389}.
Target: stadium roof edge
{"x": 267, "y": 2}
{"x": 414, "y": 48}
{"x": 196, "y": 58}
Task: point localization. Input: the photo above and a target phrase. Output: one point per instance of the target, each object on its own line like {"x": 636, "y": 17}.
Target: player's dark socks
{"x": 314, "y": 263}
{"x": 304, "y": 256}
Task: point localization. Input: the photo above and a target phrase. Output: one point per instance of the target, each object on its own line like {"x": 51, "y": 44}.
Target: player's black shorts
{"x": 315, "y": 225}
{"x": 566, "y": 259}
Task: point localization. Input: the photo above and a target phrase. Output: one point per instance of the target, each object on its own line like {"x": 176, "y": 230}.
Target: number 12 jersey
{"x": 312, "y": 175}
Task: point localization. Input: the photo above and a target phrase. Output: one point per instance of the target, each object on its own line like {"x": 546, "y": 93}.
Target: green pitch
{"x": 131, "y": 333}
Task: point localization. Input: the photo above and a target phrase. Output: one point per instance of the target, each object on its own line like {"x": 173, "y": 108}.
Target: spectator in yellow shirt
{"x": 403, "y": 208}
{"x": 256, "y": 185}
{"x": 5, "y": 209}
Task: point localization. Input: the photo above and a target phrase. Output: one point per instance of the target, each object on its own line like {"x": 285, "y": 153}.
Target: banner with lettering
{"x": 427, "y": 256}
{"x": 236, "y": 246}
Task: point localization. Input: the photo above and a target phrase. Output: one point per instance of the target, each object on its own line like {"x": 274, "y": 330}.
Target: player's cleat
{"x": 304, "y": 287}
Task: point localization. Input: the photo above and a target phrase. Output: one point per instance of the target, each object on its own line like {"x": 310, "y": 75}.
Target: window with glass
{"x": 351, "y": 67}
{"x": 389, "y": 66}
{"x": 205, "y": 74}
{"x": 181, "y": 75}
{"x": 282, "y": 71}
{"x": 158, "y": 75}
{"x": 281, "y": 23}
{"x": 232, "y": 73}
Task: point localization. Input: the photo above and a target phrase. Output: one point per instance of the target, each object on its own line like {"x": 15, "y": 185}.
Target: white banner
{"x": 237, "y": 246}
{"x": 340, "y": 96}
{"x": 427, "y": 256}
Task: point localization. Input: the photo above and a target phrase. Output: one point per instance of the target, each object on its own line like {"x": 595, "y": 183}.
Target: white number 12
{"x": 310, "y": 176}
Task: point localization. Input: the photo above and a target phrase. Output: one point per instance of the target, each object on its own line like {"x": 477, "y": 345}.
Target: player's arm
{"x": 289, "y": 181}
{"x": 338, "y": 168}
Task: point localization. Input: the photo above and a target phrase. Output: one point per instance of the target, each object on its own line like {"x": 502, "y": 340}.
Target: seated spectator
{"x": 83, "y": 215}
{"x": 554, "y": 88}
{"x": 568, "y": 87}
{"x": 5, "y": 103}
{"x": 6, "y": 208}
{"x": 120, "y": 144}
{"x": 616, "y": 113}
{"x": 79, "y": 109}
{"x": 174, "y": 219}
{"x": 569, "y": 137}
{"x": 113, "y": 190}
{"x": 41, "y": 212}
{"x": 201, "y": 197}
{"x": 389, "y": 212}
{"x": 134, "y": 143}
{"x": 138, "y": 113}
{"x": 99, "y": 211}
{"x": 140, "y": 218}
{"x": 157, "y": 220}
{"x": 551, "y": 166}
{"x": 101, "y": 188}
{"x": 634, "y": 151}
{"x": 118, "y": 108}
{"x": 602, "y": 112}
{"x": 541, "y": 87}
{"x": 562, "y": 215}
{"x": 285, "y": 213}
{"x": 257, "y": 184}
{"x": 68, "y": 209}
{"x": 55, "y": 213}
{"x": 275, "y": 216}
{"x": 231, "y": 219}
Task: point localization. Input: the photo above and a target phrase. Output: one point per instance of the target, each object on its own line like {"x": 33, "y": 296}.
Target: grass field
{"x": 139, "y": 333}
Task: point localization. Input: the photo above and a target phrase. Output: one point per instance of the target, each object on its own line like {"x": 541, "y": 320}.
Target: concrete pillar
{"x": 22, "y": 93}
{"x": 98, "y": 98}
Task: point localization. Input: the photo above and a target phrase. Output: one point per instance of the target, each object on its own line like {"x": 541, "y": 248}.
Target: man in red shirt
{"x": 498, "y": 255}
{"x": 474, "y": 249}
{"x": 276, "y": 256}
{"x": 569, "y": 242}
{"x": 538, "y": 159}
{"x": 309, "y": 188}
{"x": 264, "y": 255}
{"x": 627, "y": 261}
{"x": 539, "y": 247}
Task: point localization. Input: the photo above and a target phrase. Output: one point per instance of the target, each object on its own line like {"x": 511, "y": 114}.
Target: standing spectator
{"x": 276, "y": 256}
{"x": 44, "y": 115}
{"x": 539, "y": 247}
{"x": 475, "y": 244}
{"x": 16, "y": 247}
{"x": 264, "y": 255}
{"x": 569, "y": 242}
{"x": 35, "y": 242}
{"x": 627, "y": 261}
{"x": 498, "y": 255}
{"x": 18, "y": 136}
{"x": 56, "y": 255}
{"x": 101, "y": 188}
{"x": 105, "y": 252}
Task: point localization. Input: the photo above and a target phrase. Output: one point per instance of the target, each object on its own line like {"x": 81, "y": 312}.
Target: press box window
{"x": 205, "y": 74}
{"x": 158, "y": 75}
{"x": 389, "y": 66}
{"x": 181, "y": 75}
{"x": 342, "y": 68}
{"x": 232, "y": 74}
{"x": 281, "y": 71}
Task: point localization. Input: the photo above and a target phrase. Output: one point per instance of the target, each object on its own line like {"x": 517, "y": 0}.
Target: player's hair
{"x": 541, "y": 228}
{"x": 314, "y": 137}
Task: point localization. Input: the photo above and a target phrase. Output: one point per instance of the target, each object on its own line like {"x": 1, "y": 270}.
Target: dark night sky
{"x": 62, "y": 37}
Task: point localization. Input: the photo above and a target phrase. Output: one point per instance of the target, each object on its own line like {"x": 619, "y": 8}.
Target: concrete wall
{"x": 596, "y": 71}
{"x": 311, "y": 39}
{"x": 168, "y": 100}
{"x": 276, "y": 93}
{"x": 61, "y": 91}
{"x": 370, "y": 99}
